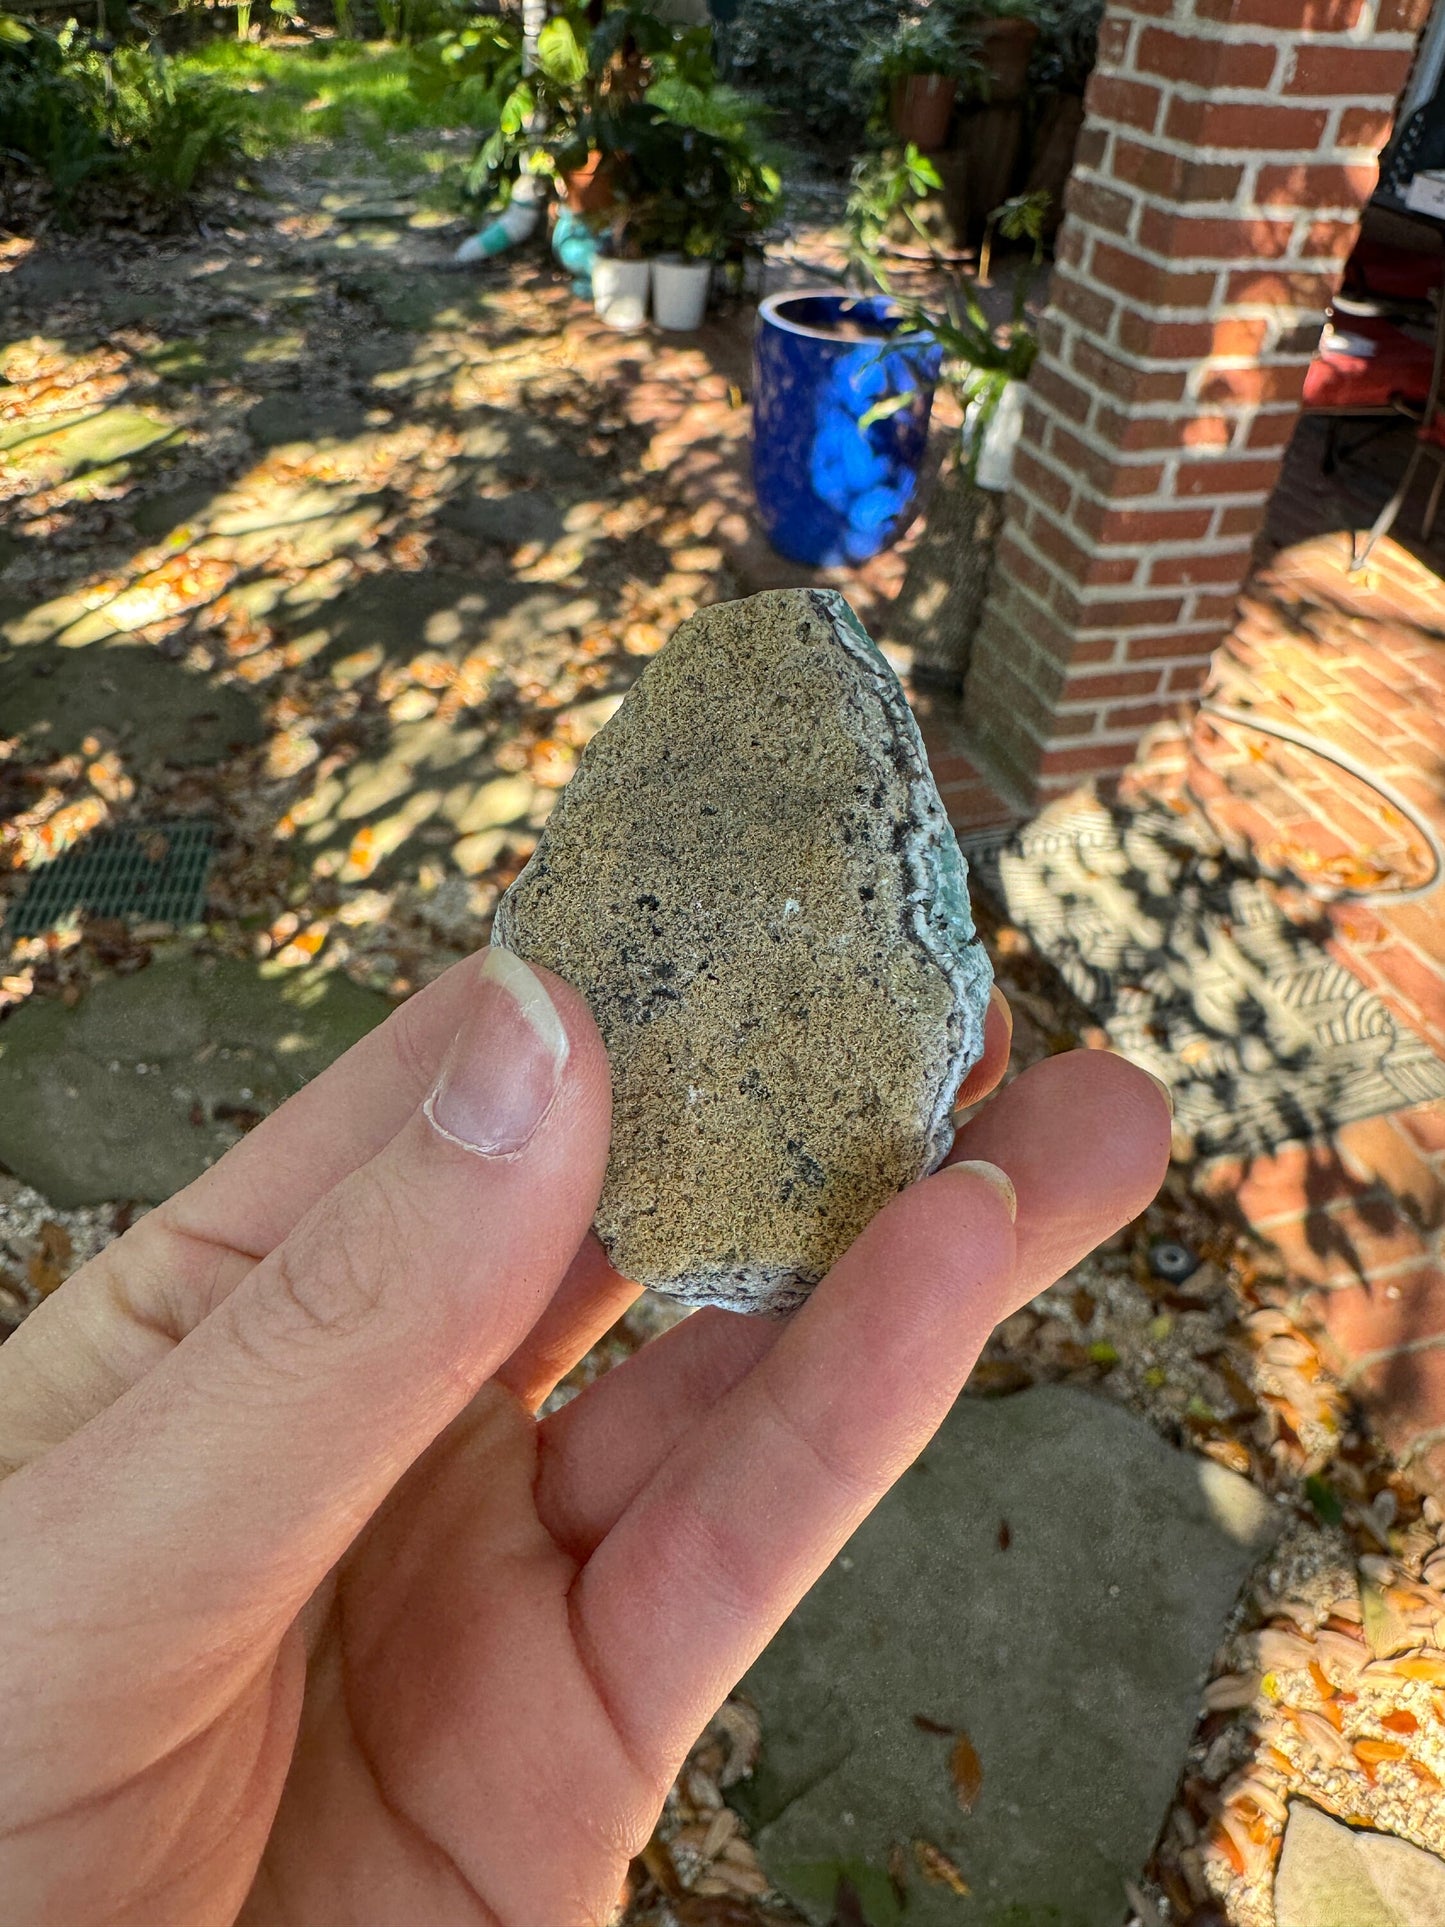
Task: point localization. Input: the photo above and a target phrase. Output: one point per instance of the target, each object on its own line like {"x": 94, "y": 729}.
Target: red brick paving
{"x": 1360, "y": 662}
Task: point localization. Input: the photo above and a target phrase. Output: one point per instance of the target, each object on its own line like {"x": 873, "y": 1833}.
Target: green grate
{"x": 156, "y": 871}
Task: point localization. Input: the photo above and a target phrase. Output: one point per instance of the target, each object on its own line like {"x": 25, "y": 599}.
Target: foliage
{"x": 684, "y": 154}
{"x": 78, "y": 109}
{"x": 980, "y": 357}
{"x": 799, "y": 57}
{"x": 703, "y": 194}
{"x": 1068, "y": 44}
{"x": 934, "y": 43}
{"x": 888, "y": 183}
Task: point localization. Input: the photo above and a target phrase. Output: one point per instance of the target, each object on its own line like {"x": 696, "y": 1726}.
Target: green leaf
{"x": 560, "y": 54}
{"x": 1325, "y": 1500}
{"x": 889, "y": 406}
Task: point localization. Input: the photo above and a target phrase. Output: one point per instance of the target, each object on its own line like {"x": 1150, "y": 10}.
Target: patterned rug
{"x": 1195, "y": 973}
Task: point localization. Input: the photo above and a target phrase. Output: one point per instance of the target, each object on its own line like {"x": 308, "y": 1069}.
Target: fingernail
{"x": 1162, "y": 1088}
{"x": 994, "y": 1178}
{"x": 1001, "y": 1005}
{"x": 1158, "y": 1082}
{"x": 505, "y": 1064}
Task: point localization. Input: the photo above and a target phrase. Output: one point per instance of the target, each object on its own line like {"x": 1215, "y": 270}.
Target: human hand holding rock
{"x": 309, "y": 1618}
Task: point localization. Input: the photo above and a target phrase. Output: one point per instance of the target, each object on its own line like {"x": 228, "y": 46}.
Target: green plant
{"x": 79, "y": 109}
{"x": 888, "y": 184}
{"x": 799, "y": 55}
{"x": 980, "y": 357}
{"x": 683, "y": 153}
{"x": 933, "y": 43}
{"x": 699, "y": 191}
{"x": 1068, "y": 45}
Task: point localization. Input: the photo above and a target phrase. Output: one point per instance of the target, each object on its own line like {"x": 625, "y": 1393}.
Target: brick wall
{"x": 1228, "y": 149}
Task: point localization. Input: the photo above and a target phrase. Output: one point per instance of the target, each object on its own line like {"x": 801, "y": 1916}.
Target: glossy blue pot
{"x": 830, "y": 490}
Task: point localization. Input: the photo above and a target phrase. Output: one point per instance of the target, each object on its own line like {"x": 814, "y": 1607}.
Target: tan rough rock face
{"x": 752, "y": 881}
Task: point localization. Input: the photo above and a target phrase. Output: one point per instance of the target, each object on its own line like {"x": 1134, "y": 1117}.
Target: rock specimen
{"x": 752, "y": 881}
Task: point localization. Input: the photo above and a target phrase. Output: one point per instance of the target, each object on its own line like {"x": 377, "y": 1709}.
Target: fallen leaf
{"x": 1424, "y": 1666}
{"x": 55, "y": 1242}
{"x": 926, "y": 1725}
{"x": 44, "y": 1276}
{"x": 1324, "y": 1686}
{"x": 898, "y": 1872}
{"x": 1229, "y": 1691}
{"x": 1373, "y": 1752}
{"x": 935, "y": 1865}
{"x": 997, "y": 1376}
{"x": 967, "y": 1770}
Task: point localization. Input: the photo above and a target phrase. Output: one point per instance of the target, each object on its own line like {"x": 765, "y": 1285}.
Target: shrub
{"x": 78, "y": 109}
{"x": 799, "y": 55}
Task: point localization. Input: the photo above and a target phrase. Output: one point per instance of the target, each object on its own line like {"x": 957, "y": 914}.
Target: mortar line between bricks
{"x": 1406, "y": 1348}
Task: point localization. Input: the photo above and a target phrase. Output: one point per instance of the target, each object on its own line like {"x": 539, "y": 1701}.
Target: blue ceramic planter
{"x": 828, "y": 490}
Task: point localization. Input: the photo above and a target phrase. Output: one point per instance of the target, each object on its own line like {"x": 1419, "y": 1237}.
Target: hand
{"x": 306, "y": 1619}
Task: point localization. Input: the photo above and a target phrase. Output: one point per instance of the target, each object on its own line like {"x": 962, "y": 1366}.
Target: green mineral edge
{"x": 944, "y": 918}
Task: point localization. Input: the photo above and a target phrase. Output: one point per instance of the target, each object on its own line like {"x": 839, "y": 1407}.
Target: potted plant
{"x": 986, "y": 362}
{"x": 705, "y": 194}
{"x": 1002, "y": 34}
{"x": 917, "y": 71}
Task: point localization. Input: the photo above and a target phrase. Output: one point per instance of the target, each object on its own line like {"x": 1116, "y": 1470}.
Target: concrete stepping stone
{"x": 1050, "y": 1580}
{"x": 507, "y": 520}
{"x": 1331, "y": 1875}
{"x": 150, "y": 1078}
{"x": 53, "y": 697}
{"x": 294, "y": 416}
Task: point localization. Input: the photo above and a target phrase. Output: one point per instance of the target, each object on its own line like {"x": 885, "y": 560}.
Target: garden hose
{"x": 1317, "y": 746}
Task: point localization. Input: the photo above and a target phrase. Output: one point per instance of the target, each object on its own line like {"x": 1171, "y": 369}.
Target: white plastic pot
{"x": 619, "y": 290}
{"x": 1000, "y": 438}
{"x": 679, "y": 292}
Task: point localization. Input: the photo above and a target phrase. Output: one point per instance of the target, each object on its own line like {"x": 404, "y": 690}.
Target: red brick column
{"x": 1228, "y": 150}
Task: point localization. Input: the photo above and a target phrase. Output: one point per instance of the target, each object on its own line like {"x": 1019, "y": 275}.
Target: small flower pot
{"x": 619, "y": 290}
{"x": 920, "y": 108}
{"x": 1008, "y": 46}
{"x": 679, "y": 292}
{"x": 591, "y": 188}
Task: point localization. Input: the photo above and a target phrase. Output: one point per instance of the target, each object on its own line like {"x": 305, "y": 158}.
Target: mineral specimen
{"x": 752, "y": 881}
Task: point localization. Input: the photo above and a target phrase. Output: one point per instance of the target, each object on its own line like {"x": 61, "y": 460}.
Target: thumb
{"x": 243, "y": 1465}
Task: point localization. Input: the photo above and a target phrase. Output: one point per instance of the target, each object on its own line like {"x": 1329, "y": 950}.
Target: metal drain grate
{"x": 152, "y": 870}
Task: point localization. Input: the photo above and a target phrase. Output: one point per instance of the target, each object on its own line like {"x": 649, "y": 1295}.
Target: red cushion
{"x": 1367, "y": 363}
{"x": 1401, "y": 274}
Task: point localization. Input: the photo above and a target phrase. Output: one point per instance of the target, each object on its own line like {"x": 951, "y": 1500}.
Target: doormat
{"x": 153, "y": 871}
{"x": 1194, "y": 971}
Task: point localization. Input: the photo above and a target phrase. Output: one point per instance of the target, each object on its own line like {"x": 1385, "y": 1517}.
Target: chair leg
{"x": 1385, "y": 520}
{"x": 1427, "y": 527}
